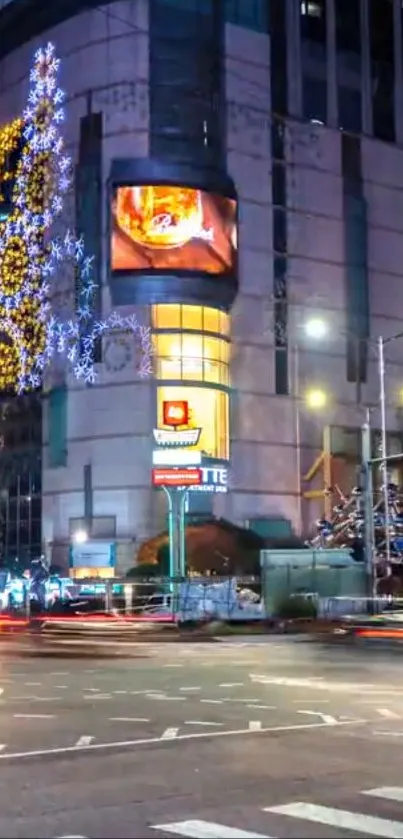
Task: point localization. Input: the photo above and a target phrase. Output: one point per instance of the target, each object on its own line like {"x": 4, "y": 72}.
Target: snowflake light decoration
{"x": 30, "y": 335}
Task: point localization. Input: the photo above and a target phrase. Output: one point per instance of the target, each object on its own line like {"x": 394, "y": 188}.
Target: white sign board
{"x": 176, "y": 457}
{"x": 170, "y": 437}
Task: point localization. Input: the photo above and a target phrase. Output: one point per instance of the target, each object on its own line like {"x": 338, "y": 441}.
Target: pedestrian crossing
{"x": 305, "y": 815}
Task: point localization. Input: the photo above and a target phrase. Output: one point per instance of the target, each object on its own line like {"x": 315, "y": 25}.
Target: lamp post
{"x": 315, "y": 328}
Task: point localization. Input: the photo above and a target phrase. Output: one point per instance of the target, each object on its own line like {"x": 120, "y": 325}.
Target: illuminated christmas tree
{"x": 30, "y": 334}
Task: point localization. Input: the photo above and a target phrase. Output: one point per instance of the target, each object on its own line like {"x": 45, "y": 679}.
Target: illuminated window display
{"x": 208, "y": 410}
{"x": 197, "y": 318}
{"x": 198, "y": 357}
{"x": 172, "y": 228}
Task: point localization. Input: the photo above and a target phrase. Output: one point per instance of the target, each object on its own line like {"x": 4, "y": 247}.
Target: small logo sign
{"x": 175, "y": 413}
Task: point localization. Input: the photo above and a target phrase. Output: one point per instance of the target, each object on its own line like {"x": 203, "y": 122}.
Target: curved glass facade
{"x": 192, "y": 354}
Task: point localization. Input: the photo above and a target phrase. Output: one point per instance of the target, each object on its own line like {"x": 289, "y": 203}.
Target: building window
{"x": 251, "y": 14}
{"x": 313, "y": 20}
{"x": 348, "y": 26}
{"x": 314, "y": 96}
{"x": 57, "y": 423}
{"x": 185, "y": 81}
{"x": 195, "y": 357}
{"x": 349, "y": 109}
{"x": 208, "y": 410}
{"x": 382, "y": 69}
{"x": 197, "y": 318}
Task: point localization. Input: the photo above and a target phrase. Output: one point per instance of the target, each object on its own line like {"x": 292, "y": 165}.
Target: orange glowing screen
{"x": 172, "y": 228}
{"x": 175, "y": 413}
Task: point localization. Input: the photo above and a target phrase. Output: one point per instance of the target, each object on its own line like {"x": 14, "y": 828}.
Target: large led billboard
{"x": 172, "y": 228}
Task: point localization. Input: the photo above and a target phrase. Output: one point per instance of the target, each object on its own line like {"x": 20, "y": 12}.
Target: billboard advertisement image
{"x": 172, "y": 228}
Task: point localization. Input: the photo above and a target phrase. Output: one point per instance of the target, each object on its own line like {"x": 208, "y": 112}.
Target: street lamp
{"x": 80, "y": 537}
{"x": 315, "y": 328}
{"x": 316, "y": 399}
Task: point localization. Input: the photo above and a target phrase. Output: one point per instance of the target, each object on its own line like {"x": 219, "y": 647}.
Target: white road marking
{"x": 33, "y": 684}
{"x": 61, "y": 687}
{"x": 129, "y": 719}
{"x": 121, "y": 692}
{"x": 327, "y": 718}
{"x": 92, "y": 690}
{"x": 146, "y": 692}
{"x": 71, "y": 836}
{"x": 61, "y": 672}
{"x": 212, "y": 701}
{"x": 173, "y": 665}
{"x": 316, "y": 684}
{"x": 231, "y": 685}
{"x": 166, "y": 698}
{"x": 262, "y": 707}
{"x": 203, "y": 722}
{"x": 389, "y": 793}
{"x": 189, "y": 689}
{"x": 200, "y": 829}
{"x": 34, "y": 716}
{"x": 2, "y": 746}
{"x": 317, "y": 701}
{"x": 84, "y": 740}
{"x": 388, "y": 714}
{"x": 170, "y": 734}
{"x": 341, "y": 819}
{"x": 145, "y": 741}
{"x": 255, "y": 725}
{"x": 46, "y": 698}
{"x": 99, "y": 696}
{"x": 388, "y": 733}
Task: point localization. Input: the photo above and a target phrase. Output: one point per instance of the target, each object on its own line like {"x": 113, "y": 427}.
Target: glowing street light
{"x": 316, "y": 328}
{"x": 316, "y": 399}
{"x": 80, "y": 537}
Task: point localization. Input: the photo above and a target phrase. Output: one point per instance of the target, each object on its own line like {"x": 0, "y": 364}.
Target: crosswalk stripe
{"x": 390, "y": 793}
{"x": 199, "y": 829}
{"x": 342, "y": 819}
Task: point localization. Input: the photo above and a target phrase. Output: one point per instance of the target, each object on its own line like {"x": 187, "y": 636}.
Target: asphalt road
{"x": 268, "y": 738}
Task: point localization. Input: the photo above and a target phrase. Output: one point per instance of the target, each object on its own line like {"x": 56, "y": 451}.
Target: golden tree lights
{"x": 29, "y": 333}
{"x": 10, "y": 136}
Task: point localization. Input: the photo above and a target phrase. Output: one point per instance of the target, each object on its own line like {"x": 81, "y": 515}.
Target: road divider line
{"x": 34, "y": 716}
{"x": 170, "y": 734}
{"x": 151, "y": 741}
{"x": 340, "y": 819}
{"x": 203, "y": 722}
{"x": 231, "y": 685}
{"x": 129, "y": 719}
{"x": 212, "y": 701}
{"x": 327, "y": 718}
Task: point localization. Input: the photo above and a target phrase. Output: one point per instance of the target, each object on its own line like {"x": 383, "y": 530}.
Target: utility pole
{"x": 367, "y": 492}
